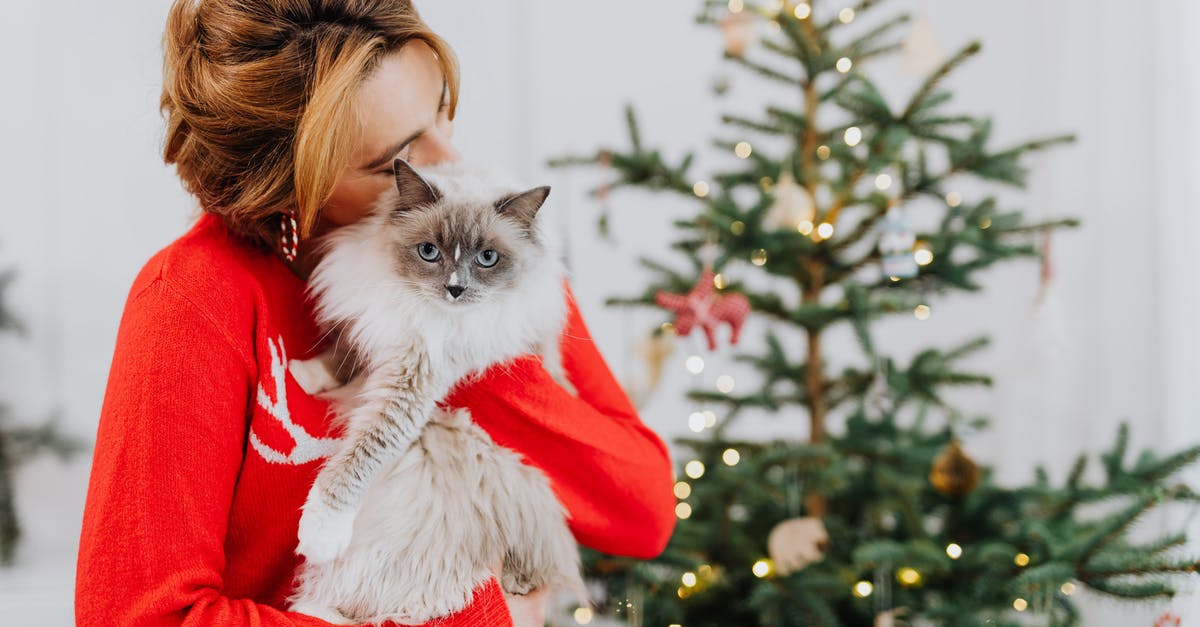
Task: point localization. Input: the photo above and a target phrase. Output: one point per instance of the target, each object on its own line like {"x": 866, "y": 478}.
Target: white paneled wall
{"x": 88, "y": 201}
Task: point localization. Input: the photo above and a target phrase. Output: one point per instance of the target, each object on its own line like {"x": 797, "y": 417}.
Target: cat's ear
{"x": 524, "y": 206}
{"x": 414, "y": 189}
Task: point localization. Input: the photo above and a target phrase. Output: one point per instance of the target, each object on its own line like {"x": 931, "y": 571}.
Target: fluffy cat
{"x": 448, "y": 275}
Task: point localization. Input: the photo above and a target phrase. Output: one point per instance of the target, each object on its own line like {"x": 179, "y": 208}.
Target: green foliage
{"x": 866, "y": 476}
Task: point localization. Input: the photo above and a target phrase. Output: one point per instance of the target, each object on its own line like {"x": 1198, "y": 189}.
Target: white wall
{"x": 88, "y": 201}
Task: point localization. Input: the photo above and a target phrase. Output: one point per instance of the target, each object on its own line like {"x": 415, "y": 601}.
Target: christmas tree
{"x": 877, "y": 514}
{"x": 18, "y": 444}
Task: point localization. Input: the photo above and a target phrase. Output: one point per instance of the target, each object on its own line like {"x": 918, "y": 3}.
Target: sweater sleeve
{"x": 169, "y": 446}
{"x": 610, "y": 471}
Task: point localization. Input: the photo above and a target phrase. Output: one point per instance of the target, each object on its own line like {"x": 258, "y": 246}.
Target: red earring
{"x": 289, "y": 238}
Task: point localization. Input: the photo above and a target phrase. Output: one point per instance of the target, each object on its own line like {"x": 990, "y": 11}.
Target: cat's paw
{"x": 312, "y": 375}
{"x": 324, "y": 532}
{"x": 327, "y": 614}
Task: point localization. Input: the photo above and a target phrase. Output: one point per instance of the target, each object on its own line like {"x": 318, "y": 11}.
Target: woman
{"x": 283, "y": 117}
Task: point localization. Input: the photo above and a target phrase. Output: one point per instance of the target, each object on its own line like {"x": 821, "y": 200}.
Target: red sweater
{"x": 204, "y": 456}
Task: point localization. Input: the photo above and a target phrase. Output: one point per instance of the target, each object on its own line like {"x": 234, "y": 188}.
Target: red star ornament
{"x": 701, "y": 307}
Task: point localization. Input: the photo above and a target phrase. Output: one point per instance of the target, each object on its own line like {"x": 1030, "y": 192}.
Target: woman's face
{"x": 404, "y": 108}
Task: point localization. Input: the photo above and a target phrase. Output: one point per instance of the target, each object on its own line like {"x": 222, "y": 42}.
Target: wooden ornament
{"x": 797, "y": 542}
{"x": 953, "y": 473}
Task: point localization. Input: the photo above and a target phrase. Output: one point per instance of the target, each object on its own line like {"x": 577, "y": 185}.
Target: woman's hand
{"x": 527, "y": 610}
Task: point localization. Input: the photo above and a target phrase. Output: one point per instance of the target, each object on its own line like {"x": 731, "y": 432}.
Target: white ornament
{"x": 896, "y": 245}
{"x": 793, "y": 205}
{"x": 796, "y": 543}
{"x": 920, "y": 53}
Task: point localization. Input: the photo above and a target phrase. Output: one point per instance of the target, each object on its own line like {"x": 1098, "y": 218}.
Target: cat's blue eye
{"x": 428, "y": 252}
{"x": 487, "y": 258}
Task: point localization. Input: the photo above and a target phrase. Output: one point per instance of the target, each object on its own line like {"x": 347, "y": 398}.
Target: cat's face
{"x": 456, "y": 248}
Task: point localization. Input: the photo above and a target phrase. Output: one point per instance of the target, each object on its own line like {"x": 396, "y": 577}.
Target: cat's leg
{"x": 315, "y": 375}
{"x": 398, "y": 401}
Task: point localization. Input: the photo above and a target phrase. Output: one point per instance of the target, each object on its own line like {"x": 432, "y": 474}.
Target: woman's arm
{"x": 169, "y": 449}
{"x": 611, "y": 472}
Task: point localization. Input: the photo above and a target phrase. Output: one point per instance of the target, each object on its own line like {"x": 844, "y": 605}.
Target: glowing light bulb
{"x": 762, "y": 568}
{"x": 1020, "y": 604}
{"x": 863, "y": 589}
{"x": 742, "y": 150}
{"x": 1068, "y": 588}
{"x": 695, "y": 364}
{"x": 822, "y": 152}
{"x": 731, "y": 457}
{"x": 922, "y": 255}
{"x": 758, "y": 257}
{"x": 700, "y": 189}
{"x": 683, "y": 511}
{"x": 954, "y": 551}
{"x": 583, "y": 615}
{"x": 908, "y": 576}
{"x": 844, "y": 64}
{"x": 921, "y": 312}
{"x": 710, "y": 419}
{"x": 825, "y": 230}
{"x": 736, "y": 6}
{"x": 719, "y": 281}
{"x": 689, "y": 579}
{"x": 954, "y": 199}
{"x": 737, "y": 227}
{"x": 683, "y": 489}
{"x": 802, "y": 11}
{"x": 883, "y": 181}
{"x": 852, "y": 136}
{"x": 805, "y": 227}
{"x": 694, "y": 469}
{"x": 696, "y": 422}
{"x": 725, "y": 383}
{"x": 1021, "y": 560}
{"x": 846, "y": 15}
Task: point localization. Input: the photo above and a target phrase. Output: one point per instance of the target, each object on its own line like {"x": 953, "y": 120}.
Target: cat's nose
{"x": 455, "y": 290}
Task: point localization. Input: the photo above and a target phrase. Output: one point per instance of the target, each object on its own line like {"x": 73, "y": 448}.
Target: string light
{"x": 844, "y": 64}
{"x": 1068, "y": 588}
{"x": 921, "y": 312}
{"x": 823, "y": 152}
{"x": 908, "y": 576}
{"x": 762, "y": 568}
{"x": 731, "y": 457}
{"x": 725, "y": 383}
{"x": 802, "y": 11}
{"x": 737, "y": 227}
{"x": 689, "y": 579}
{"x": 1020, "y": 604}
{"x": 883, "y": 181}
{"x": 695, "y": 364}
{"x": 863, "y": 589}
{"x": 825, "y": 230}
{"x": 953, "y": 551}
{"x": 736, "y": 6}
{"x": 719, "y": 280}
{"x": 700, "y": 189}
{"x": 710, "y": 419}
{"x": 758, "y": 257}
{"x": 683, "y": 511}
{"x": 696, "y": 422}
{"x": 852, "y": 136}
{"x": 985, "y": 223}
{"x": 954, "y": 199}
{"x": 922, "y": 255}
{"x": 683, "y": 489}
{"x": 805, "y": 227}
{"x": 683, "y": 593}
{"x": 694, "y": 469}
{"x": 846, "y": 15}
{"x": 742, "y": 150}
{"x": 1021, "y": 560}
{"x": 583, "y": 615}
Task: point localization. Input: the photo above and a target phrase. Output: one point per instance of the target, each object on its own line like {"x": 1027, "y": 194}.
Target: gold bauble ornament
{"x": 953, "y": 473}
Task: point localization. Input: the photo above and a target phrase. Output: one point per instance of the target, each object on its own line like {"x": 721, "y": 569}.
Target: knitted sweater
{"x": 206, "y": 447}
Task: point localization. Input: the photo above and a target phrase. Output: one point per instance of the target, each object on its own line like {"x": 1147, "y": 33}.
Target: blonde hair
{"x": 258, "y": 97}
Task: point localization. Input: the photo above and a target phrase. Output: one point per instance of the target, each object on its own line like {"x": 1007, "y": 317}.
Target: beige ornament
{"x": 740, "y": 30}
{"x": 920, "y": 53}
{"x": 653, "y": 352}
{"x": 795, "y": 543}
{"x": 793, "y": 205}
